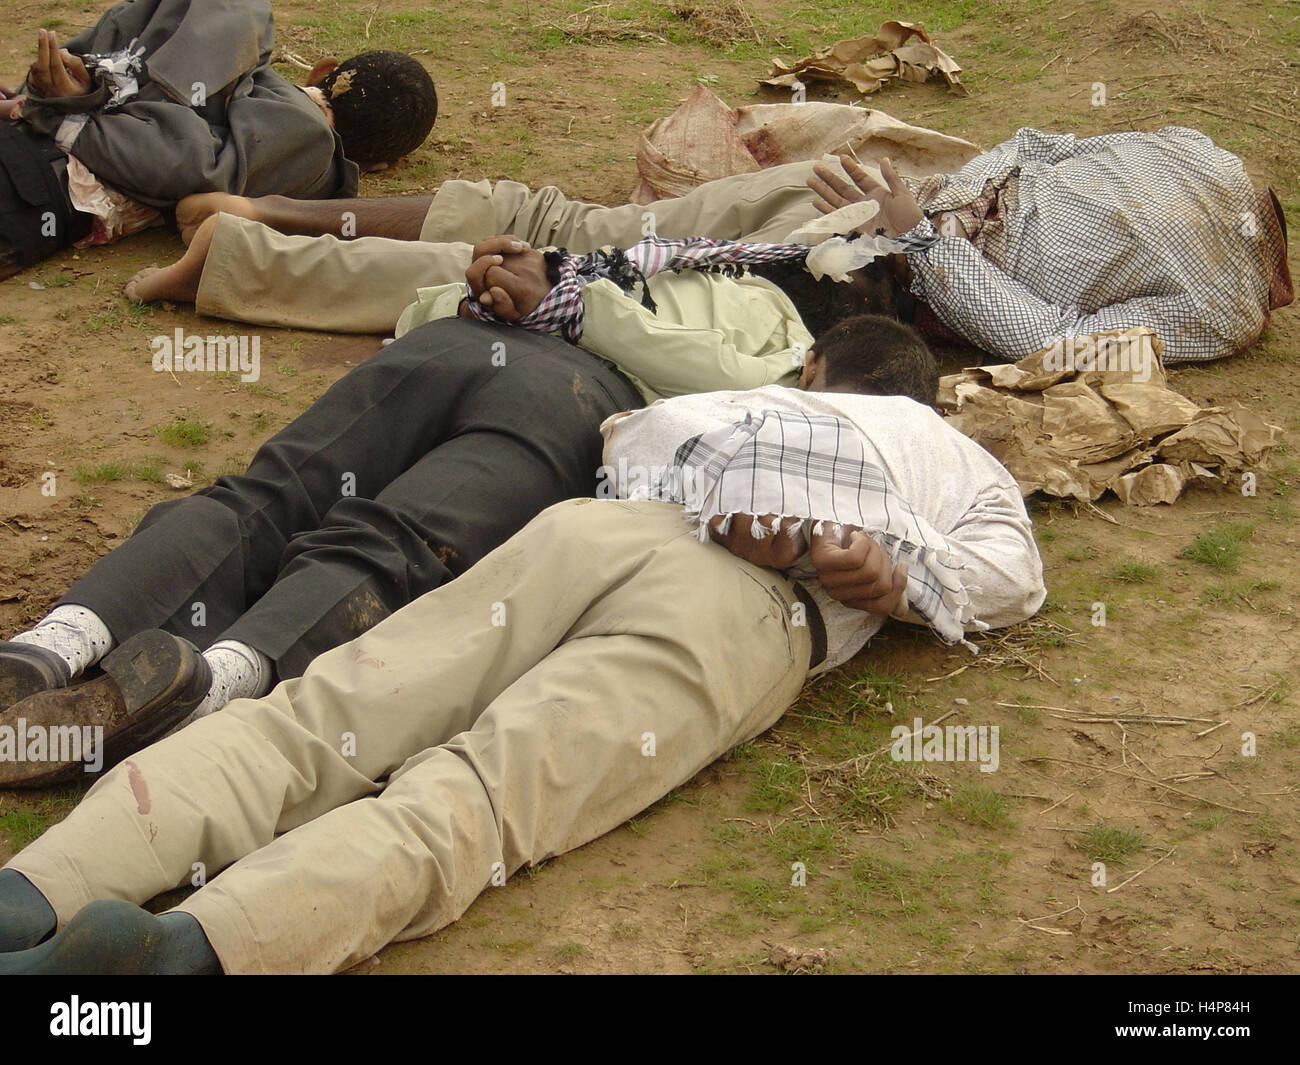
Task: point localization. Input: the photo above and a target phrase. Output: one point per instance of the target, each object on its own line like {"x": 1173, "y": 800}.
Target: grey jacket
{"x": 210, "y": 115}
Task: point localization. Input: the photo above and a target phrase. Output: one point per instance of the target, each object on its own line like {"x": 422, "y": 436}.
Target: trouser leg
{"x": 763, "y": 206}
{"x": 526, "y": 438}
{"x": 195, "y": 565}
{"x": 646, "y": 688}
{"x": 254, "y": 274}
{"x": 509, "y": 764}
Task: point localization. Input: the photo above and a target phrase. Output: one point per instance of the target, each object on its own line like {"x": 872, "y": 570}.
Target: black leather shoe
{"x": 26, "y": 669}
{"x": 149, "y": 684}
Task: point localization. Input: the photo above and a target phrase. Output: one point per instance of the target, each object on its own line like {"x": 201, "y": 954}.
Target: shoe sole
{"x": 23, "y": 673}
{"x": 159, "y": 680}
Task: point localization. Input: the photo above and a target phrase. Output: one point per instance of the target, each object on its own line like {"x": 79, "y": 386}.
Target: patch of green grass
{"x": 1268, "y": 828}
{"x": 109, "y": 318}
{"x": 22, "y": 826}
{"x": 765, "y": 893}
{"x": 1280, "y": 510}
{"x": 1028, "y": 714}
{"x": 107, "y": 472}
{"x": 1134, "y": 571}
{"x": 184, "y": 432}
{"x": 780, "y": 782}
{"x": 570, "y": 951}
{"x": 981, "y": 806}
{"x": 926, "y": 900}
{"x": 256, "y": 388}
{"x": 844, "y": 694}
{"x": 150, "y": 472}
{"x": 1045, "y": 638}
{"x": 800, "y": 840}
{"x": 626, "y": 930}
{"x": 1230, "y": 591}
{"x": 877, "y": 874}
{"x": 734, "y": 923}
{"x": 104, "y": 473}
{"x": 531, "y": 872}
{"x": 1112, "y": 844}
{"x": 1221, "y": 547}
{"x": 511, "y": 948}
{"x": 875, "y": 796}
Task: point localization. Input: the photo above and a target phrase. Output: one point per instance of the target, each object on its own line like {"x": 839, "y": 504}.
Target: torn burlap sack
{"x": 1096, "y": 413}
{"x": 898, "y": 50}
{"x": 704, "y": 139}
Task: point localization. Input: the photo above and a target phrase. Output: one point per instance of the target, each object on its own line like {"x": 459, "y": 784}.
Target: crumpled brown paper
{"x": 704, "y": 139}
{"x": 899, "y": 50}
{"x": 1076, "y": 428}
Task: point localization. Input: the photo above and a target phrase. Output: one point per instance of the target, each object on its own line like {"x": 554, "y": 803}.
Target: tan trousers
{"x": 595, "y": 661}
{"x": 254, "y": 274}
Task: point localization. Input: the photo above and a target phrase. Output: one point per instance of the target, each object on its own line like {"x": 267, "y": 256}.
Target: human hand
{"x": 57, "y": 72}
{"x": 858, "y": 574}
{"x": 508, "y": 277}
{"x": 899, "y": 211}
{"x": 777, "y": 551}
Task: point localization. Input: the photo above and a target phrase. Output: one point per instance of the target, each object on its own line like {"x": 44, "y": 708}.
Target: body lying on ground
{"x": 163, "y": 99}
{"x": 503, "y": 718}
{"x": 408, "y": 470}
{"x": 1044, "y": 237}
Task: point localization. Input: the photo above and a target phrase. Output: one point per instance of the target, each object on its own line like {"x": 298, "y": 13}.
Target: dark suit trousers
{"x": 403, "y": 475}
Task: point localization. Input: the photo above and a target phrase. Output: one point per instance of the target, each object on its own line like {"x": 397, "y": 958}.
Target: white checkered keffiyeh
{"x": 813, "y": 467}
{"x": 562, "y": 309}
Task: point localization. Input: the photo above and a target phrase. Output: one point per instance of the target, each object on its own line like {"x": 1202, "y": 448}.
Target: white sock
{"x": 74, "y": 633}
{"x": 238, "y": 672}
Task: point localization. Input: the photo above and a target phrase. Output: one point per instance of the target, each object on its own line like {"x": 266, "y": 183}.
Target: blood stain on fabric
{"x": 138, "y": 788}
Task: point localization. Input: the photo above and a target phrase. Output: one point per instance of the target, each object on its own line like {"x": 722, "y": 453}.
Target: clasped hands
{"x": 508, "y": 277}
{"x": 856, "y": 573}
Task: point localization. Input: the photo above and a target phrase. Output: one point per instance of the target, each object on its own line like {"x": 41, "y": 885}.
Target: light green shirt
{"x": 711, "y": 333}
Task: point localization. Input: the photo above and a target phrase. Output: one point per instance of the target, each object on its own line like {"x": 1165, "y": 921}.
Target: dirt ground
{"x": 1128, "y": 744}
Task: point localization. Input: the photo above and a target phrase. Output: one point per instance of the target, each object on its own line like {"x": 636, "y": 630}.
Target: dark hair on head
{"x": 871, "y": 290}
{"x": 878, "y": 356}
{"x": 384, "y": 105}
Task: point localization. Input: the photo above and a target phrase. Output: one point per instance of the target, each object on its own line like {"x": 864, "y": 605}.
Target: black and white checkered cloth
{"x": 562, "y": 309}
{"x": 813, "y": 467}
{"x": 1129, "y": 229}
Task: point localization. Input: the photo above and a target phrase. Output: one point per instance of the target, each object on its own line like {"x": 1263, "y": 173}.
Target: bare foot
{"x": 194, "y": 210}
{"x": 180, "y": 281}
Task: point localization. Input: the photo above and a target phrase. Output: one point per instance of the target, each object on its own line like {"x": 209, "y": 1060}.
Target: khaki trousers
{"x": 254, "y": 274}
{"x": 597, "y": 660}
